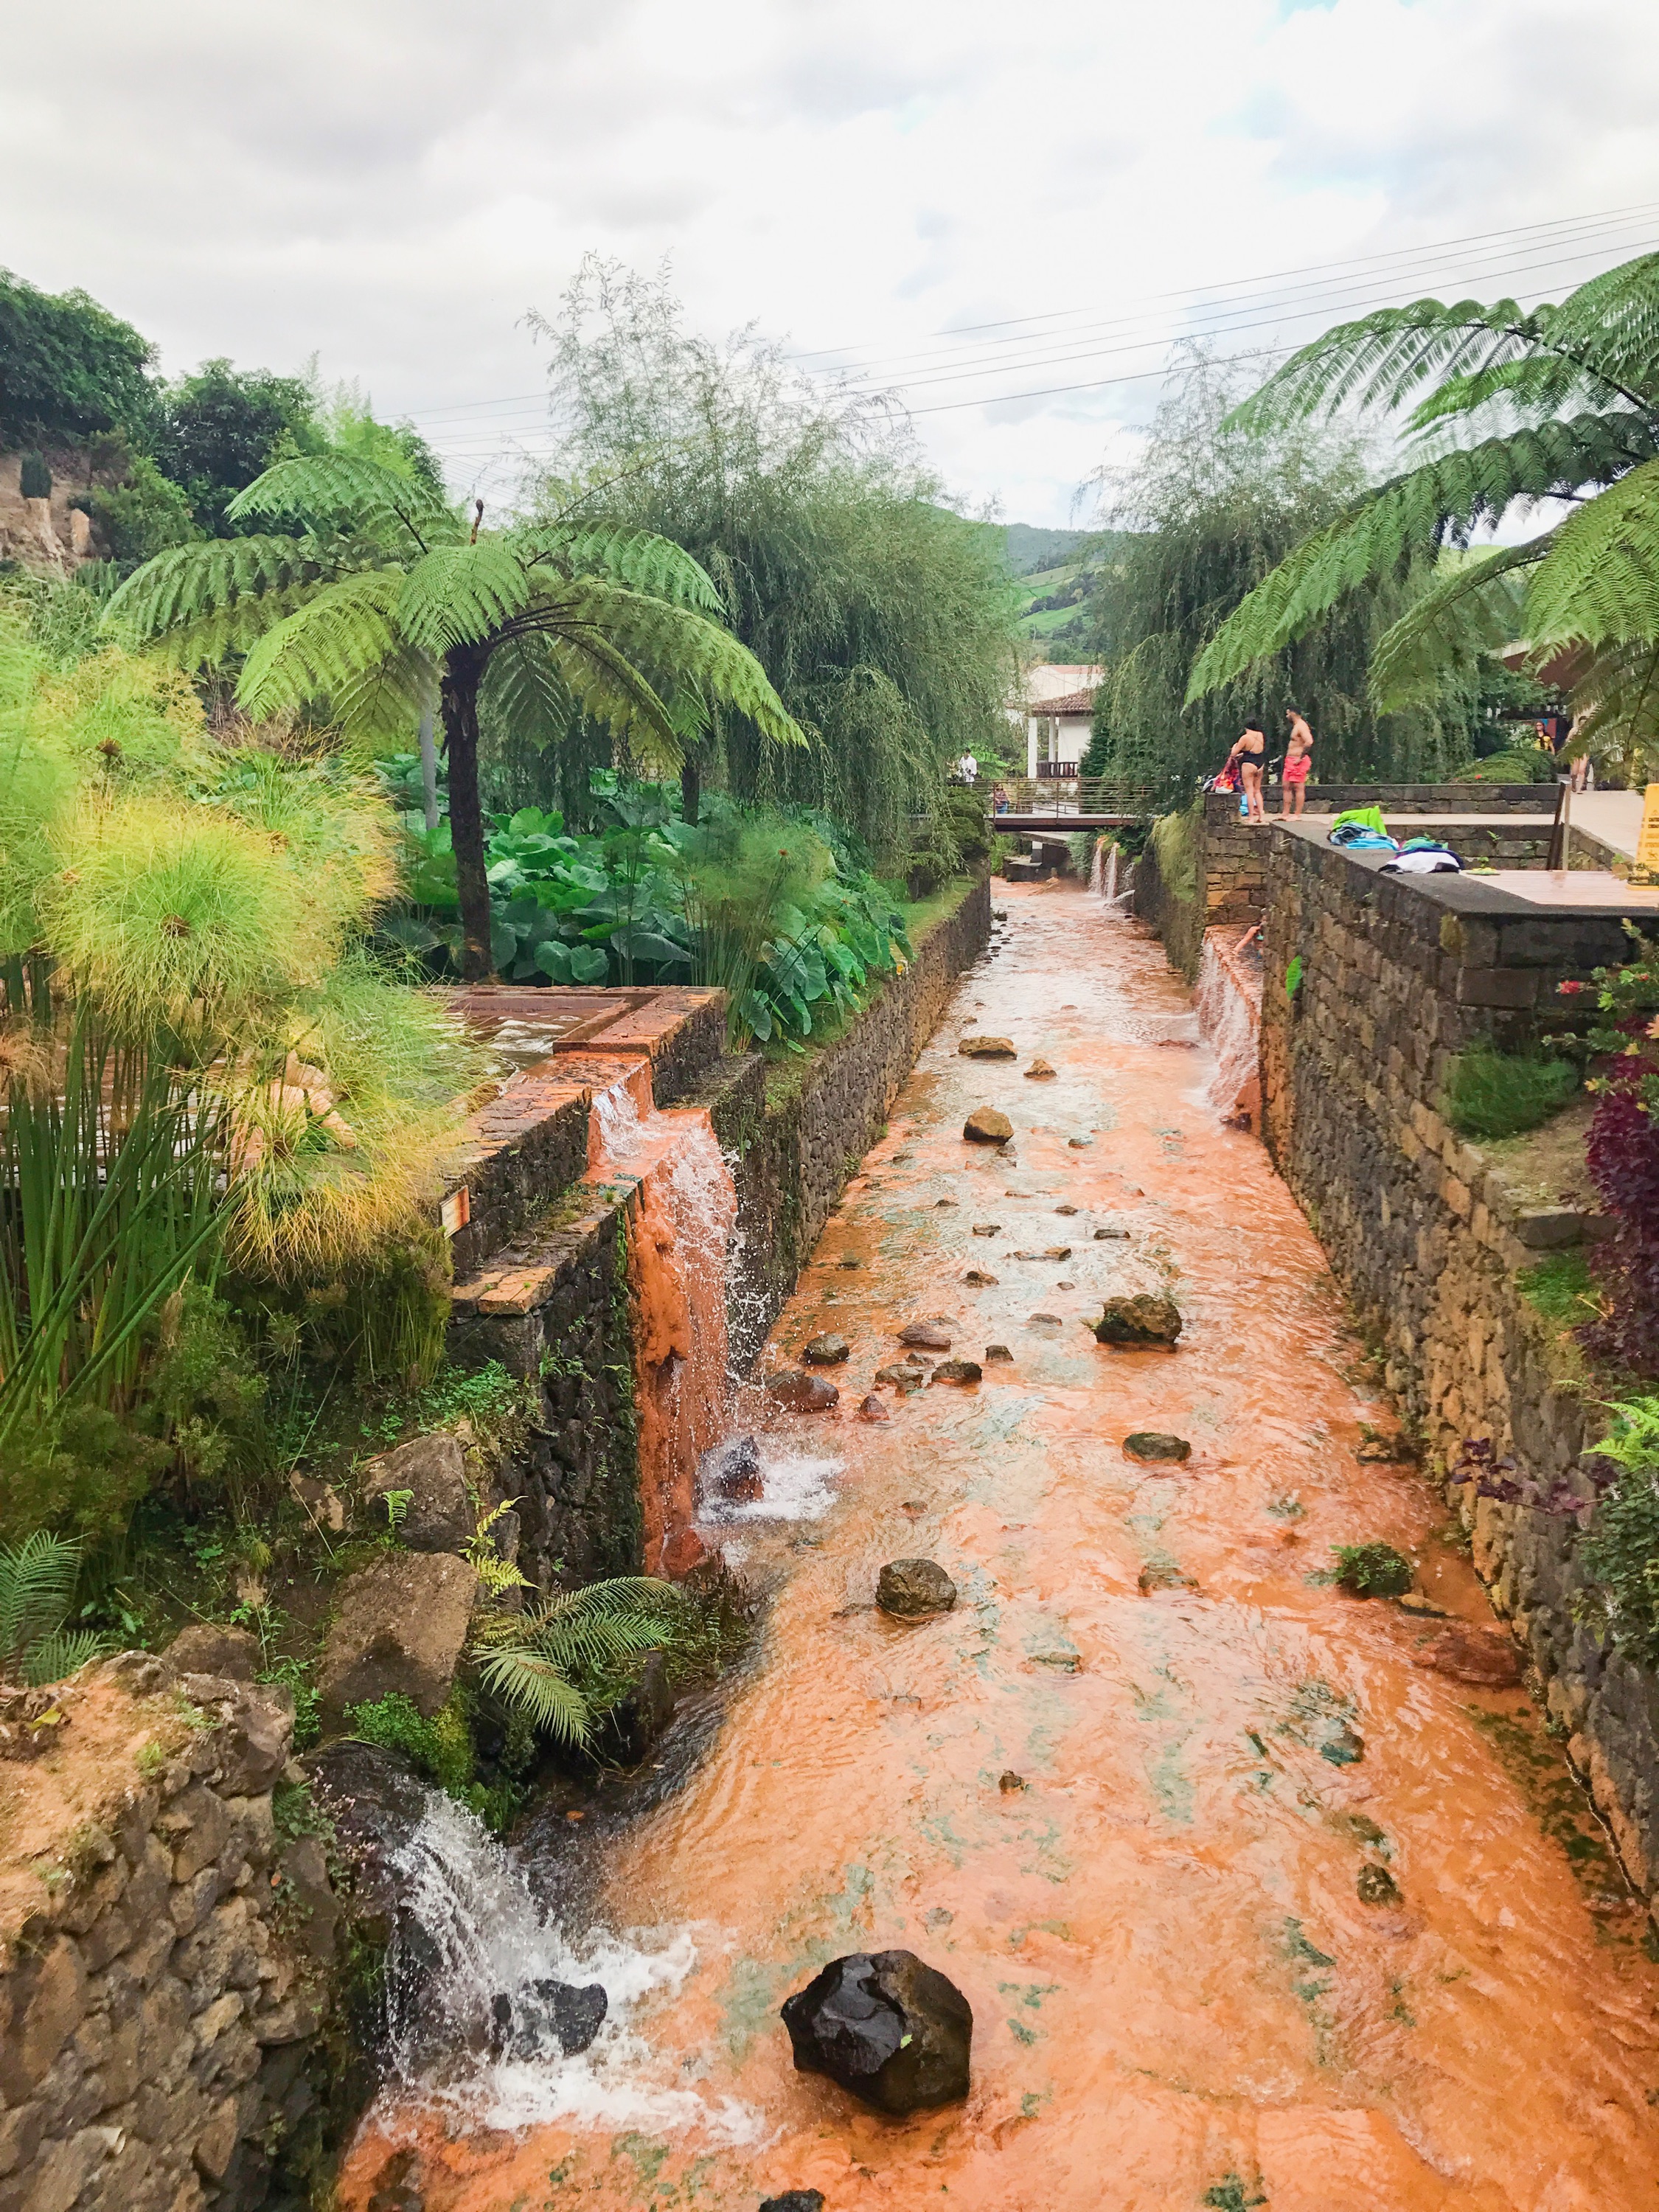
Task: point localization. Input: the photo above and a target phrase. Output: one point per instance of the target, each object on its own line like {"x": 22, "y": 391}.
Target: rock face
{"x": 985, "y": 1125}
{"x": 885, "y": 2026}
{"x": 1039, "y": 1071}
{"x": 911, "y": 1589}
{"x": 1143, "y": 1320}
{"x": 826, "y": 1351}
{"x": 956, "y": 1370}
{"x": 1152, "y": 1445}
{"x": 802, "y": 1393}
{"x": 925, "y": 1335}
{"x": 987, "y": 1048}
{"x": 439, "y": 1515}
{"x": 207, "y": 1647}
{"x": 400, "y": 1625}
{"x": 376, "y": 1801}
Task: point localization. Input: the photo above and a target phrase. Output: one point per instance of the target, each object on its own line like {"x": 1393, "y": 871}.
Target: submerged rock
{"x": 522, "y": 2024}
{"x": 1008, "y": 1782}
{"x": 1043, "y": 1320}
{"x": 910, "y": 1589}
{"x": 988, "y": 1229}
{"x": 1143, "y": 1320}
{"x": 985, "y": 1125}
{"x": 946, "y": 1201}
{"x": 1161, "y": 1575}
{"x": 956, "y": 1370}
{"x": 826, "y": 1351}
{"x": 1489, "y": 1657}
{"x": 1153, "y": 1445}
{"x": 1100, "y": 1234}
{"x": 987, "y": 1048}
{"x": 1039, "y": 1071}
{"x": 888, "y": 2028}
{"x": 794, "y": 2200}
{"x": 1376, "y": 1885}
{"x": 870, "y": 1409}
{"x": 997, "y": 1351}
{"x": 802, "y": 1393}
{"x": 732, "y": 1471}
{"x": 1065, "y": 1209}
{"x": 925, "y": 1335}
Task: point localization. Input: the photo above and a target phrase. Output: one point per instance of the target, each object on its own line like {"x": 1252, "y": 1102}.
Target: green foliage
{"x": 34, "y": 477}
{"x": 143, "y": 514}
{"x": 495, "y": 1575}
{"x": 1561, "y": 1287}
{"x": 220, "y": 427}
{"x": 1490, "y": 1095}
{"x": 1575, "y": 391}
{"x": 441, "y": 1747}
{"x": 547, "y": 1662}
{"x": 1621, "y": 1552}
{"x": 885, "y": 620}
{"x": 1174, "y": 844}
{"x": 68, "y": 370}
{"x": 1530, "y": 766}
{"x": 1373, "y": 1570}
{"x": 37, "y": 1587}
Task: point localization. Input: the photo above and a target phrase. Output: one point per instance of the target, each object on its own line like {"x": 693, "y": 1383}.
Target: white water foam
{"x": 617, "y": 1113}
{"x": 794, "y": 1486}
{"x": 1230, "y": 1023}
{"x": 476, "y": 1934}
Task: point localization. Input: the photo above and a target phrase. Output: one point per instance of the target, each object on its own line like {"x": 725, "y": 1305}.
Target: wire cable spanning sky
{"x": 1003, "y": 225}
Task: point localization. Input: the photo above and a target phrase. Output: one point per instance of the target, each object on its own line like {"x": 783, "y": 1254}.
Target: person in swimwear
{"x": 1251, "y": 754}
{"x": 1298, "y": 759}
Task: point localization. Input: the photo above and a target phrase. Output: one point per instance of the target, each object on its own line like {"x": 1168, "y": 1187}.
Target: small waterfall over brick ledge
{"x": 1228, "y": 998}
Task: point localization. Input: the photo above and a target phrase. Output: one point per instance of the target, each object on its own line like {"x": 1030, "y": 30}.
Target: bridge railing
{"x": 1055, "y": 798}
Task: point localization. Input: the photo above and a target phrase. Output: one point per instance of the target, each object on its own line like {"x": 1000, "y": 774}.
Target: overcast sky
{"x": 391, "y": 187}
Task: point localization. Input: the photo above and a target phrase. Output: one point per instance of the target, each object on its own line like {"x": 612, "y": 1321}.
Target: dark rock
{"x": 794, "y": 2200}
{"x": 439, "y": 1515}
{"x": 910, "y": 1589}
{"x": 1156, "y": 1444}
{"x": 956, "y": 1370}
{"x": 1043, "y": 1320}
{"x": 988, "y": 1229}
{"x": 903, "y": 1379}
{"x": 987, "y": 1048}
{"x": 376, "y": 1801}
{"x": 997, "y": 1351}
{"x": 1161, "y": 1575}
{"x": 732, "y": 1471}
{"x": 1489, "y": 1657}
{"x": 870, "y": 1409}
{"x": 396, "y": 2186}
{"x": 1142, "y": 1320}
{"x": 985, "y": 1125}
{"x": 400, "y": 1625}
{"x": 637, "y": 1720}
{"x": 1008, "y": 1782}
{"x": 885, "y": 2026}
{"x": 925, "y": 1335}
{"x": 802, "y": 1393}
{"x": 1376, "y": 1885}
{"x": 826, "y": 1351}
{"x": 1102, "y": 1234}
{"x": 1065, "y": 1209}
{"x": 566, "y": 2012}
{"x": 981, "y": 1280}
{"x": 946, "y": 1201}
{"x": 851, "y": 1259}
{"x": 1079, "y": 1144}
{"x": 207, "y": 1647}
{"x": 998, "y": 914}
{"x": 1040, "y": 1071}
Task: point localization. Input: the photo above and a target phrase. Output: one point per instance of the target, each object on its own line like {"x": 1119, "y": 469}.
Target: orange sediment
{"x": 1181, "y": 1997}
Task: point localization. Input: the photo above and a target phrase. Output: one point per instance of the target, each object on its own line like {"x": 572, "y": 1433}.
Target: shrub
{"x": 440, "y": 1748}
{"x": 1373, "y": 1570}
{"x": 1623, "y": 1158}
{"x": 1514, "y": 765}
{"x": 34, "y": 477}
{"x": 1620, "y": 1553}
{"x": 1490, "y": 1095}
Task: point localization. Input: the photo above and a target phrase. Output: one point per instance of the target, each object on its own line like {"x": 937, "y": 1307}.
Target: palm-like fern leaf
{"x": 37, "y": 1583}
{"x": 525, "y": 694}
{"x": 187, "y": 582}
{"x": 1600, "y": 581}
{"x": 638, "y": 558}
{"x": 61, "y": 1653}
{"x": 325, "y": 490}
{"x": 527, "y": 1659}
{"x": 462, "y": 595}
{"x": 1616, "y": 695}
{"x": 1471, "y": 608}
{"x": 540, "y": 1690}
{"x": 331, "y": 642}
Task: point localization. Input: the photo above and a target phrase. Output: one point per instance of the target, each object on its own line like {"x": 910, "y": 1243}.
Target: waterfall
{"x": 1228, "y": 1002}
{"x": 1104, "y": 876}
{"x": 474, "y": 1974}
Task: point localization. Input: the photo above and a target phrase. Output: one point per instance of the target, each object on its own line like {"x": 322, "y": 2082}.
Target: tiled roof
{"x": 1074, "y": 702}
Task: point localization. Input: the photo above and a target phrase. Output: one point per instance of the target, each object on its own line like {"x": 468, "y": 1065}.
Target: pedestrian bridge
{"x": 1061, "y": 806}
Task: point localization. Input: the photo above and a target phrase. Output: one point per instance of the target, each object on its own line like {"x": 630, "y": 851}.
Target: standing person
{"x": 1251, "y": 754}
{"x": 1298, "y": 759}
{"x": 967, "y": 769}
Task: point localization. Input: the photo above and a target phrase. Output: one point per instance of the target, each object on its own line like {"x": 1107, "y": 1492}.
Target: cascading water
{"x": 1228, "y": 1002}
{"x": 492, "y": 2008}
{"x": 1103, "y": 875}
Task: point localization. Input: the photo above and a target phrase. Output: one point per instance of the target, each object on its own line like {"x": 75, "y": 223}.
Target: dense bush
{"x": 68, "y": 370}
{"x": 1513, "y": 765}
{"x": 1494, "y": 1094}
{"x": 1623, "y": 1156}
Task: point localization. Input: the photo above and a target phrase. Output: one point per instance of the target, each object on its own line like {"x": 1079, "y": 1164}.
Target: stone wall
{"x": 1431, "y": 1237}
{"x": 165, "y": 1954}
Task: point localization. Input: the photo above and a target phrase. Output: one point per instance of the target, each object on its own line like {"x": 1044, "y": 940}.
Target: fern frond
{"x": 638, "y": 558}
{"x": 1469, "y": 610}
{"x": 187, "y": 582}
{"x": 37, "y": 1583}
{"x": 606, "y": 685}
{"x": 1537, "y": 385}
{"x": 331, "y": 643}
{"x": 1611, "y": 324}
{"x": 462, "y": 595}
{"x": 524, "y": 695}
{"x": 1616, "y": 698}
{"x": 1381, "y": 359}
{"x": 1410, "y": 518}
{"x": 325, "y": 488}
{"x": 539, "y": 1690}
{"x": 1601, "y": 582}
{"x": 62, "y": 1653}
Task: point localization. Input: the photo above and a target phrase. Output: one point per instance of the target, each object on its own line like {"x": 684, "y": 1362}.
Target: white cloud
{"x": 392, "y": 185}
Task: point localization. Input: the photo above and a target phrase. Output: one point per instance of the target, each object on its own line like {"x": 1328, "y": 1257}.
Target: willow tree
{"x": 377, "y": 594}
{"x": 885, "y": 618}
{"x": 1205, "y": 515}
{"x": 1511, "y": 410}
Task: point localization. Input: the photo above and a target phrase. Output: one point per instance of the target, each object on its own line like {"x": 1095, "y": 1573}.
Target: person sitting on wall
{"x": 998, "y": 798}
{"x": 1298, "y": 759}
{"x": 1251, "y": 754}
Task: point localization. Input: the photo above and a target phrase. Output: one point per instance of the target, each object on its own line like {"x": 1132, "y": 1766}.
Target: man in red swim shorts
{"x": 1298, "y": 759}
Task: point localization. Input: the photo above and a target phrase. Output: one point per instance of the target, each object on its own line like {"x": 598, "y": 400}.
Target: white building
{"x": 1058, "y": 715}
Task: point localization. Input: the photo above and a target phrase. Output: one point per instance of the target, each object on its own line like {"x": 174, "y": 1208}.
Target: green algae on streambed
{"x": 1187, "y": 1990}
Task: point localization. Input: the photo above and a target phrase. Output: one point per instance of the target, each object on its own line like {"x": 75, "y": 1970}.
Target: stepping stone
{"x": 1136, "y": 1322}
{"x": 1043, "y": 1320}
{"x": 986, "y": 1047}
{"x": 1079, "y": 1144}
{"x": 802, "y": 1393}
{"x": 985, "y": 1125}
{"x": 912, "y": 1589}
{"x": 956, "y": 1370}
{"x": 851, "y": 1259}
{"x": 826, "y": 1351}
{"x": 1151, "y": 1446}
{"x": 946, "y": 1201}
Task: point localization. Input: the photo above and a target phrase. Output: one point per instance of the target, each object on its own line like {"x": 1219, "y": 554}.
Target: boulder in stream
{"x": 926, "y": 1335}
{"x": 1488, "y": 1657}
{"x": 826, "y": 1351}
{"x": 1152, "y": 1446}
{"x": 801, "y": 1393}
{"x": 731, "y": 1472}
{"x": 997, "y": 1351}
{"x": 524, "y": 2022}
{"x": 870, "y": 1409}
{"x": 986, "y": 1126}
{"x": 794, "y": 2200}
{"x": 887, "y": 2027}
{"x": 1376, "y": 1885}
{"x": 988, "y": 1229}
{"x": 956, "y": 1370}
{"x": 980, "y": 1279}
{"x": 987, "y": 1048}
{"x": 1146, "y": 1320}
{"x": 913, "y": 1589}
{"x": 1102, "y": 1235}
{"x": 1040, "y": 1071}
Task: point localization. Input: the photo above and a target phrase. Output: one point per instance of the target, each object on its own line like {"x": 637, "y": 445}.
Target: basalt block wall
{"x": 161, "y": 1988}
{"x": 1433, "y": 1247}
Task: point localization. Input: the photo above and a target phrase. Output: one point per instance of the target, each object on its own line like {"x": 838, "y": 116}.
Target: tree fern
{"x": 1472, "y": 608}
{"x": 1601, "y": 580}
{"x": 531, "y": 1660}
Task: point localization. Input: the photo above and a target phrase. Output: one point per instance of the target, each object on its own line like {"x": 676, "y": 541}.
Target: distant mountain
{"x": 1030, "y": 549}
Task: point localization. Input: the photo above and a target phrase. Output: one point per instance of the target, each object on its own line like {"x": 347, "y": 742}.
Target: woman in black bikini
{"x": 1251, "y": 754}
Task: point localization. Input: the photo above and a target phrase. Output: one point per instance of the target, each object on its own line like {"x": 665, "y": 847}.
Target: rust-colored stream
{"x": 1180, "y": 1999}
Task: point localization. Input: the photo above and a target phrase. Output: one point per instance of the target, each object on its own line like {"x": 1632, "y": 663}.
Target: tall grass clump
{"x": 1490, "y": 1095}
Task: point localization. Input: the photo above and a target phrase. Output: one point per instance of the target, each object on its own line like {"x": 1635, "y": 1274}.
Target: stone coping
{"x": 1605, "y": 898}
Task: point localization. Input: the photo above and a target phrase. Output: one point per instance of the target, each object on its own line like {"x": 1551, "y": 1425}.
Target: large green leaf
{"x": 1600, "y": 581}
{"x": 1471, "y": 608}
{"x": 333, "y": 643}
